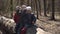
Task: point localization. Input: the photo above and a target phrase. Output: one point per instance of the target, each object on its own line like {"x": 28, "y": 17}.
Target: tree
{"x": 44, "y": 7}
{"x": 11, "y": 3}
{"x": 32, "y": 5}
{"x": 36, "y": 8}
{"x": 28, "y": 2}
{"x": 39, "y": 6}
{"x": 22, "y": 2}
{"x": 53, "y": 10}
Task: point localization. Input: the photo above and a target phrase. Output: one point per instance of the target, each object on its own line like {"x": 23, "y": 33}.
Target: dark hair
{"x": 17, "y": 11}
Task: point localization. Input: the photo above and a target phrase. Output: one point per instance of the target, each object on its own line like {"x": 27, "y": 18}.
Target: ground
{"x": 49, "y": 25}
{"x": 37, "y": 30}
{"x": 43, "y": 26}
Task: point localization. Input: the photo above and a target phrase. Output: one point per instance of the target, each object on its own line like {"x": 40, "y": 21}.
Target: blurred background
{"x": 47, "y": 11}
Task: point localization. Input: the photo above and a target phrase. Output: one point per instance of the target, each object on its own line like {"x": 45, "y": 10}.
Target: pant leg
{"x": 16, "y": 28}
{"x": 19, "y": 28}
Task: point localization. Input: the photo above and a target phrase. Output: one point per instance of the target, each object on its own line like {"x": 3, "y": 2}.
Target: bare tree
{"x": 11, "y": 3}
{"x": 44, "y": 7}
{"x": 36, "y": 8}
{"x": 39, "y": 6}
{"x": 53, "y": 10}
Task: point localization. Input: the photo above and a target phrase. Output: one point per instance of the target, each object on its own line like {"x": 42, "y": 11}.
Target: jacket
{"x": 16, "y": 18}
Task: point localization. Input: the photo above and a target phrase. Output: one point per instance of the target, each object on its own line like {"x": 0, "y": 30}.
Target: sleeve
{"x": 33, "y": 18}
{"x": 15, "y": 18}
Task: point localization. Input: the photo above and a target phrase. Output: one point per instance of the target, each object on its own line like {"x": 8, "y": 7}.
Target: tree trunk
{"x": 22, "y": 2}
{"x": 39, "y": 7}
{"x": 11, "y": 3}
{"x": 36, "y": 8}
{"x": 45, "y": 8}
{"x": 53, "y": 10}
{"x": 32, "y": 4}
{"x": 27, "y": 2}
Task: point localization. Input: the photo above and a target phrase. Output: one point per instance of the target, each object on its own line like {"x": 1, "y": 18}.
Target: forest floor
{"x": 45, "y": 26}
{"x": 33, "y": 30}
{"x": 49, "y": 25}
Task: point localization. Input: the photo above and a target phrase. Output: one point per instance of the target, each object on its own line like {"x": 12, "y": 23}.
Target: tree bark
{"x": 44, "y": 7}
{"x": 53, "y": 10}
{"x": 39, "y": 7}
{"x": 36, "y": 8}
{"x": 11, "y": 3}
